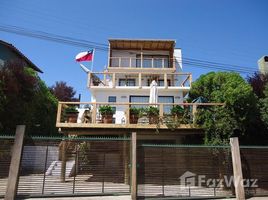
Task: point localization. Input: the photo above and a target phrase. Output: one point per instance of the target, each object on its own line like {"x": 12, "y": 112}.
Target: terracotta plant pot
{"x": 133, "y": 119}
{"x": 107, "y": 119}
{"x": 72, "y": 117}
{"x": 153, "y": 119}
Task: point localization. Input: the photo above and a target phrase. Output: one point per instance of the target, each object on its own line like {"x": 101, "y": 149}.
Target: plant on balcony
{"x": 134, "y": 114}
{"x": 153, "y": 114}
{"x": 177, "y": 111}
{"x": 70, "y": 114}
{"x": 106, "y": 112}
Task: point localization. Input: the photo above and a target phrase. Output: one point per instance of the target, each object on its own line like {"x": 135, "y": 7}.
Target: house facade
{"x": 132, "y": 66}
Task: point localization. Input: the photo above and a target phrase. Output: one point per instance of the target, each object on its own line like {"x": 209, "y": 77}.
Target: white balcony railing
{"x": 138, "y": 79}
{"x": 132, "y": 62}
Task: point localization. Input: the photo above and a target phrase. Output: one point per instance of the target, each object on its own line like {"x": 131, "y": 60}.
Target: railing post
{"x": 140, "y": 81}
{"x": 152, "y": 63}
{"x": 94, "y": 113}
{"x": 104, "y": 79}
{"x": 114, "y": 80}
{"x": 133, "y": 166}
{"x": 190, "y": 80}
{"x": 89, "y": 80}
{"x": 141, "y": 59}
{"x": 119, "y": 62}
{"x": 194, "y": 111}
{"x": 237, "y": 169}
{"x": 127, "y": 116}
{"x": 161, "y": 110}
{"x": 165, "y": 81}
{"x": 59, "y": 112}
{"x": 130, "y": 62}
{"x": 163, "y": 63}
{"x": 13, "y": 177}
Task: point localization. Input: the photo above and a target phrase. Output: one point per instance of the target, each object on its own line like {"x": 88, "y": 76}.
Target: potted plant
{"x": 70, "y": 114}
{"x": 106, "y": 112}
{"x": 153, "y": 114}
{"x": 177, "y": 111}
{"x": 134, "y": 113}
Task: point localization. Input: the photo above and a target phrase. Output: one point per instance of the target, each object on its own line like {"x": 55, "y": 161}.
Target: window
{"x": 166, "y": 99}
{"x": 139, "y": 99}
{"x": 127, "y": 82}
{"x": 161, "y": 82}
{"x": 153, "y": 61}
{"x": 112, "y": 99}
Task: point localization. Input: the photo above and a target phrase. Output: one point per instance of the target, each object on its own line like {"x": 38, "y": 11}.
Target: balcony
{"x": 160, "y": 62}
{"x": 90, "y": 115}
{"x": 139, "y": 80}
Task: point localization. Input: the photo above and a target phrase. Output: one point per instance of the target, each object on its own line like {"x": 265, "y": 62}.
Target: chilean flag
{"x": 84, "y": 56}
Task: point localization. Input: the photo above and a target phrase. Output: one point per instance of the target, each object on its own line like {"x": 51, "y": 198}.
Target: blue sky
{"x": 226, "y": 31}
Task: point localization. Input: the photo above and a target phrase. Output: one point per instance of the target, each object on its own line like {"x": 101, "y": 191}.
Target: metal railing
{"x": 124, "y": 116}
{"x": 139, "y": 79}
{"x": 74, "y": 166}
{"x": 145, "y": 62}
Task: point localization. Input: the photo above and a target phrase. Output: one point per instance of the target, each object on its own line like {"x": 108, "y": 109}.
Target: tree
{"x": 258, "y": 82}
{"x": 239, "y": 112}
{"x": 63, "y": 92}
{"x": 264, "y": 106}
{"x": 25, "y": 99}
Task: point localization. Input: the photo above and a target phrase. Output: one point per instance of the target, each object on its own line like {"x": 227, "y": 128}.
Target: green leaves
{"x": 241, "y": 104}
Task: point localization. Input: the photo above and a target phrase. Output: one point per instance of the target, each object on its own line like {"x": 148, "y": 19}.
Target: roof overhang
{"x": 144, "y": 44}
{"x": 21, "y": 55}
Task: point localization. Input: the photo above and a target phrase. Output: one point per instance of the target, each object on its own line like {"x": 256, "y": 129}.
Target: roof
{"x": 22, "y": 56}
{"x": 145, "y": 44}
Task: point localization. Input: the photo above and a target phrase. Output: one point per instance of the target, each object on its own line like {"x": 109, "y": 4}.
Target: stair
{"x": 55, "y": 168}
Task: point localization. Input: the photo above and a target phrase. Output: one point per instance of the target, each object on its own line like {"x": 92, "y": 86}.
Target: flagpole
{"x": 92, "y": 60}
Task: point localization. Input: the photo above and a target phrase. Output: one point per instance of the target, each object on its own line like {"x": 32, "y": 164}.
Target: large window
{"x": 145, "y": 99}
{"x": 127, "y": 82}
{"x": 153, "y": 61}
{"x": 139, "y": 99}
{"x": 160, "y": 82}
{"x": 166, "y": 99}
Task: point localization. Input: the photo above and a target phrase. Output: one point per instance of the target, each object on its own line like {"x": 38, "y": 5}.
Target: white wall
{"x": 123, "y": 97}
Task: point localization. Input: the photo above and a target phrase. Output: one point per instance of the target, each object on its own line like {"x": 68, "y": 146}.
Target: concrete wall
{"x": 34, "y": 157}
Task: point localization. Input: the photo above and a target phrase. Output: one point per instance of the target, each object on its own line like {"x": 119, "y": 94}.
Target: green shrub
{"x": 106, "y": 110}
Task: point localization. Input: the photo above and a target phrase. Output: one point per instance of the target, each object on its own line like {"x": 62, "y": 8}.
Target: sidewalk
{"x": 125, "y": 197}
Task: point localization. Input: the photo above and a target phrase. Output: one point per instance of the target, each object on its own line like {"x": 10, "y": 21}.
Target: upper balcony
{"x": 143, "y": 55}
{"x": 145, "y": 62}
{"x": 139, "y": 80}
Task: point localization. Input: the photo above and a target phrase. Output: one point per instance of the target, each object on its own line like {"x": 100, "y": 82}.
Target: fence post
{"x": 237, "y": 169}
{"x": 134, "y": 166}
{"x": 12, "y": 184}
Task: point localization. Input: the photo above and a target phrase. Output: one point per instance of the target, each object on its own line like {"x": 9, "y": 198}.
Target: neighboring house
{"x": 263, "y": 64}
{"x": 10, "y": 53}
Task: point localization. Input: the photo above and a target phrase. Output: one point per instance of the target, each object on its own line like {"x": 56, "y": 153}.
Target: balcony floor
{"x": 118, "y": 129}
